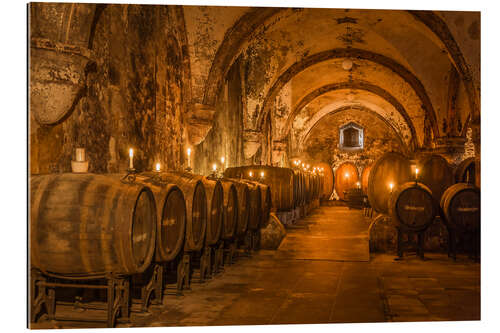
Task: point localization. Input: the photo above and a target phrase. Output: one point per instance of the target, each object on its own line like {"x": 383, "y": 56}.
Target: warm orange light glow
{"x": 250, "y": 174}
{"x": 222, "y": 159}
{"x": 131, "y": 155}
{"x": 214, "y": 167}
{"x": 391, "y": 185}
{"x": 158, "y": 166}
{"x": 189, "y": 152}
{"x": 262, "y": 174}
{"x": 346, "y": 175}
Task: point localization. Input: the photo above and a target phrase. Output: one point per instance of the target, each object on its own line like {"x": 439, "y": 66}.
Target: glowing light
{"x": 262, "y": 174}
{"x": 250, "y": 174}
{"x": 214, "y": 167}
{"x": 346, "y": 175}
{"x": 189, "y": 157}
{"x": 358, "y": 184}
{"x": 416, "y": 173}
{"x": 131, "y": 161}
{"x": 222, "y": 159}
{"x": 391, "y": 185}
{"x": 158, "y": 167}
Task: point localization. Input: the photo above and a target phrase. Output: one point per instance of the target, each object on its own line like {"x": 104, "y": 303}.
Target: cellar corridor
{"x": 323, "y": 273}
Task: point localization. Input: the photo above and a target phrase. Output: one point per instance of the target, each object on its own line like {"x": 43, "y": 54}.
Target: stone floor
{"x": 323, "y": 273}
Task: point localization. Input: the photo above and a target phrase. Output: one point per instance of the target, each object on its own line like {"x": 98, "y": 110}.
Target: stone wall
{"x": 133, "y": 95}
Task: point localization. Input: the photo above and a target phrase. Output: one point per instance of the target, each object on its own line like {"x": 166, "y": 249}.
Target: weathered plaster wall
{"x": 133, "y": 96}
{"x": 322, "y": 143}
{"x": 226, "y": 136}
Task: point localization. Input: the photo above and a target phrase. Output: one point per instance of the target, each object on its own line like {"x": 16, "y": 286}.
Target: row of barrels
{"x": 289, "y": 188}
{"x": 436, "y": 173}
{"x": 89, "y": 226}
{"x": 414, "y": 202}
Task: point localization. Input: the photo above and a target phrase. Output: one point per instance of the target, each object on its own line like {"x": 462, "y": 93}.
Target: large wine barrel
{"x": 390, "y": 168}
{"x": 171, "y": 217}
{"x": 365, "y": 174}
{"x": 196, "y": 206}
{"x": 215, "y": 204}
{"x": 267, "y": 204}
{"x": 255, "y": 198}
{"x": 89, "y": 225}
{"x": 230, "y": 219}
{"x": 279, "y": 179}
{"x": 328, "y": 181}
{"x": 466, "y": 171}
{"x": 461, "y": 205}
{"x": 297, "y": 188}
{"x": 412, "y": 206}
{"x": 346, "y": 177}
{"x": 436, "y": 173}
{"x": 243, "y": 205}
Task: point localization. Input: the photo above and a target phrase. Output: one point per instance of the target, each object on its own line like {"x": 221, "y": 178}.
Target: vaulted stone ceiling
{"x": 418, "y": 70}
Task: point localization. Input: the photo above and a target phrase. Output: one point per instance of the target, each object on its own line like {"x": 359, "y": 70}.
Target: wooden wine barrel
{"x": 466, "y": 171}
{"x": 412, "y": 206}
{"x": 328, "y": 181}
{"x": 461, "y": 206}
{"x": 267, "y": 204}
{"x": 196, "y": 206}
{"x": 230, "y": 219}
{"x": 279, "y": 179}
{"x": 243, "y": 193}
{"x": 87, "y": 225}
{"x": 346, "y": 177}
{"x": 171, "y": 217}
{"x": 255, "y": 198}
{"x": 364, "y": 177}
{"x": 215, "y": 204}
{"x": 392, "y": 168}
{"x": 297, "y": 190}
{"x": 436, "y": 173}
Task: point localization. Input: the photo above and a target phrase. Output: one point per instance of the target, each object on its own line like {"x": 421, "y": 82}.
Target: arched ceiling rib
{"x": 387, "y": 106}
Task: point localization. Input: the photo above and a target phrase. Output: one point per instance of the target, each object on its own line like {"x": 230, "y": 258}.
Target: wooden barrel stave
{"x": 171, "y": 216}
{"x": 230, "y": 220}
{"x": 436, "y": 173}
{"x": 343, "y": 182}
{"x": 243, "y": 193}
{"x": 90, "y": 225}
{"x": 461, "y": 206}
{"x": 215, "y": 204}
{"x": 465, "y": 172}
{"x": 196, "y": 206}
{"x": 364, "y": 177}
{"x": 393, "y": 168}
{"x": 413, "y": 206}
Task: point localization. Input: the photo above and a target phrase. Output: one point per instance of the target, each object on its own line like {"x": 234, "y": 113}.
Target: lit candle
{"x": 131, "y": 161}
{"x": 416, "y": 173}
{"x": 250, "y": 174}
{"x": 158, "y": 167}
{"x": 214, "y": 167}
{"x": 262, "y": 174}
{"x": 391, "y": 185}
{"x": 358, "y": 184}
{"x": 189, "y": 157}
{"x": 346, "y": 175}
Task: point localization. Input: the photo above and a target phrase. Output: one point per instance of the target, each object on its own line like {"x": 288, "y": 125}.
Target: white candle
{"x": 131, "y": 161}
{"x": 158, "y": 166}
{"x": 80, "y": 154}
{"x": 189, "y": 157}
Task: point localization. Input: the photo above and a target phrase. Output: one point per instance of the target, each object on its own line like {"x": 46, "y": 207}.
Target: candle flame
{"x": 262, "y": 174}
{"x": 222, "y": 159}
{"x": 158, "y": 166}
{"x": 391, "y": 185}
{"x": 214, "y": 167}
{"x": 346, "y": 175}
{"x": 131, "y": 152}
{"x": 250, "y": 174}
{"x": 189, "y": 151}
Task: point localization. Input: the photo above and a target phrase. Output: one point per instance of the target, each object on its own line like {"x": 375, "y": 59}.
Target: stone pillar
{"x": 278, "y": 153}
{"x": 451, "y": 148}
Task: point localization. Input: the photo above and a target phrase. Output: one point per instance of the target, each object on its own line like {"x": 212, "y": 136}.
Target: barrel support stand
{"x": 471, "y": 238}
{"x": 117, "y": 302}
{"x": 154, "y": 287}
{"x": 184, "y": 273}
{"x": 405, "y": 246}
{"x": 205, "y": 263}
{"x": 230, "y": 252}
{"x": 218, "y": 258}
